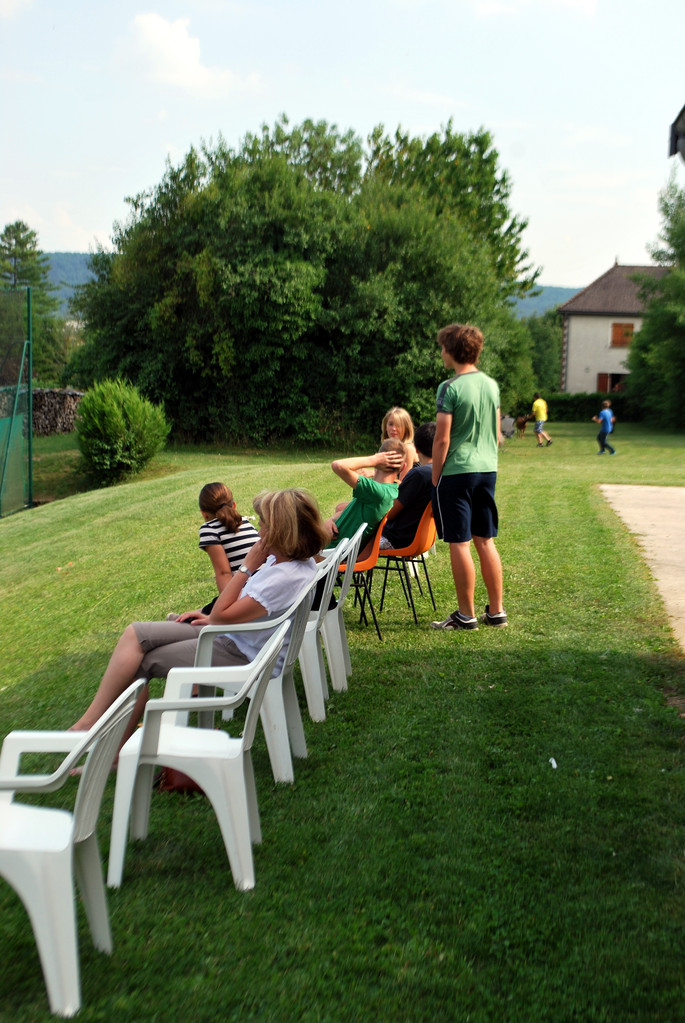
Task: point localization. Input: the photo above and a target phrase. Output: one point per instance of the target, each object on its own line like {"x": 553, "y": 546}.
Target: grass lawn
{"x": 429, "y": 863}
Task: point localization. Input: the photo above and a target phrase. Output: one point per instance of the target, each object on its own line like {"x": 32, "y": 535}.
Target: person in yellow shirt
{"x": 540, "y": 417}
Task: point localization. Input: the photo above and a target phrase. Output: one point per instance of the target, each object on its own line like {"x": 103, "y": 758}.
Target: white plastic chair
{"x": 41, "y": 848}
{"x": 312, "y": 665}
{"x": 333, "y": 628}
{"x": 220, "y": 764}
{"x": 280, "y": 713}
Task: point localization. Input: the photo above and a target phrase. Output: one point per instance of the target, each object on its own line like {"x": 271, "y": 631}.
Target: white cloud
{"x": 172, "y": 57}
{"x": 8, "y": 8}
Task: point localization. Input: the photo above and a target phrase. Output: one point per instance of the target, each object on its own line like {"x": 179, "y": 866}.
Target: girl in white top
{"x": 275, "y": 571}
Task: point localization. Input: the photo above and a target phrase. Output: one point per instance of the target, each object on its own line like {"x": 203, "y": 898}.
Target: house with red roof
{"x": 598, "y": 327}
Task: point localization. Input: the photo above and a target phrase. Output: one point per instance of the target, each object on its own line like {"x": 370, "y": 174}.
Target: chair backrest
{"x": 328, "y": 571}
{"x": 103, "y": 741}
{"x": 371, "y": 558}
{"x": 424, "y": 537}
{"x": 261, "y": 682}
{"x": 298, "y": 623}
{"x": 347, "y": 567}
{"x": 254, "y": 681}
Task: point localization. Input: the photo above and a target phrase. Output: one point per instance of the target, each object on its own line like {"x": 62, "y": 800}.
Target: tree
{"x": 656, "y": 361}
{"x": 275, "y": 291}
{"x": 23, "y": 265}
{"x": 546, "y": 335}
{"x": 461, "y": 174}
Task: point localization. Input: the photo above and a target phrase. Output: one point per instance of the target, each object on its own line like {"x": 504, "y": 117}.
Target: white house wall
{"x": 589, "y": 350}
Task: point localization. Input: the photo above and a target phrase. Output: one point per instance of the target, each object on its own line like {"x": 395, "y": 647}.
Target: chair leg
{"x": 345, "y": 645}
{"x": 330, "y": 631}
{"x": 44, "y": 883}
{"x": 366, "y": 579}
{"x": 131, "y": 803}
{"x": 385, "y": 582}
{"x": 230, "y": 790}
{"x": 410, "y": 595}
{"x": 88, "y": 869}
{"x": 428, "y": 582}
{"x": 298, "y": 743}
{"x": 275, "y": 725}
{"x": 310, "y": 668}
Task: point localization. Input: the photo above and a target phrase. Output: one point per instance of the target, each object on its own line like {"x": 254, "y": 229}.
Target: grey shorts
{"x": 173, "y": 644}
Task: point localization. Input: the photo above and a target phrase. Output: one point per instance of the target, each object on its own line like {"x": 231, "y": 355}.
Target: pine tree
{"x": 23, "y": 265}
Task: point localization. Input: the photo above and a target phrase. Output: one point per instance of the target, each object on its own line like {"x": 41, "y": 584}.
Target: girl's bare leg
{"x": 123, "y": 668}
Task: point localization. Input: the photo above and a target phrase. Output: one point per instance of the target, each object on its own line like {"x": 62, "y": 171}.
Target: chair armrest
{"x": 204, "y": 659}
{"x": 180, "y": 681}
{"x": 19, "y": 742}
{"x": 155, "y": 710}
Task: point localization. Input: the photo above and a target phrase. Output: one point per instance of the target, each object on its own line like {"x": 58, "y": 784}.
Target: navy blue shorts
{"x": 464, "y": 506}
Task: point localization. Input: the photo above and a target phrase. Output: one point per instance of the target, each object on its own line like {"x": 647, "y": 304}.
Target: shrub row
{"x": 578, "y": 408}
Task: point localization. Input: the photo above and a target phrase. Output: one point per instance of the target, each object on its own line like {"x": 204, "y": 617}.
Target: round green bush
{"x": 118, "y": 431}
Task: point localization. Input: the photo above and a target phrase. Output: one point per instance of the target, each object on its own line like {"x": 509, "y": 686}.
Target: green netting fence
{"x": 16, "y": 482}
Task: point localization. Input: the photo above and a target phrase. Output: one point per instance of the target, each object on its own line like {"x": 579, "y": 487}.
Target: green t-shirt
{"x": 370, "y": 503}
{"x": 472, "y": 399}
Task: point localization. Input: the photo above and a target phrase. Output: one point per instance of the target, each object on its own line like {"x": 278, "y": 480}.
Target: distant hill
{"x": 67, "y": 269}
{"x": 547, "y": 299}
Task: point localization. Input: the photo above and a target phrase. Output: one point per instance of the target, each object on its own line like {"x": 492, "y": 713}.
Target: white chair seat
{"x": 29, "y": 829}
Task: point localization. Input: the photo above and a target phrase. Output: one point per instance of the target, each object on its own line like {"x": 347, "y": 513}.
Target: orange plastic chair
{"x": 363, "y": 577}
{"x": 398, "y": 559}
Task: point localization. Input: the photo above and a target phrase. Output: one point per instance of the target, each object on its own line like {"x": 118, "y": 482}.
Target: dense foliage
{"x": 293, "y": 288}
{"x": 656, "y": 384}
{"x": 546, "y": 337}
{"x": 24, "y": 265}
{"x": 118, "y": 431}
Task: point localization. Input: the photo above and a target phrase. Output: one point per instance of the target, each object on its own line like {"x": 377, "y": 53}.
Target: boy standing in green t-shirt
{"x": 464, "y": 475}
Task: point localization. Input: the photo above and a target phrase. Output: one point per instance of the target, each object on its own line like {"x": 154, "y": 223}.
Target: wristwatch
{"x": 245, "y": 570}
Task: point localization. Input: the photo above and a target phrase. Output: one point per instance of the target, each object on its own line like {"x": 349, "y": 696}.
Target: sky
{"x": 578, "y": 95}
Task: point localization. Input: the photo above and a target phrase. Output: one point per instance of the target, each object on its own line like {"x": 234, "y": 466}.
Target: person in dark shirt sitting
{"x": 414, "y": 494}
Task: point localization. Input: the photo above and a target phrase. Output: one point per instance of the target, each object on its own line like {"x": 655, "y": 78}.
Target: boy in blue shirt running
{"x": 606, "y": 420}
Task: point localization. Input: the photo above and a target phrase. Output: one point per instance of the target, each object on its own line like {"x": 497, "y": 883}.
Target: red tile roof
{"x": 615, "y": 293}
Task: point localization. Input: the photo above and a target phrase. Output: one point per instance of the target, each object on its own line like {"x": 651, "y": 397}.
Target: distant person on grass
{"x": 540, "y": 416}
{"x": 464, "y": 475}
{"x": 606, "y": 420}
{"x": 414, "y": 494}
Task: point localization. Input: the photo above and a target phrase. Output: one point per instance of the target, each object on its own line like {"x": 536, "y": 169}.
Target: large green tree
{"x": 656, "y": 383}
{"x": 277, "y": 290}
{"x": 461, "y": 173}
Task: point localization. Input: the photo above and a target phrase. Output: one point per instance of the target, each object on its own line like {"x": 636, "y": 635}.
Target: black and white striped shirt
{"x": 235, "y": 544}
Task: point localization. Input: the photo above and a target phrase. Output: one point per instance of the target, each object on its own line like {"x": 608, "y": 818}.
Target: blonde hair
{"x": 292, "y": 523}
{"x": 403, "y": 423}
{"x": 217, "y": 500}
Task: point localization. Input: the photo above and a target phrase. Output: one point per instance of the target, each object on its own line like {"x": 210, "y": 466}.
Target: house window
{"x": 621, "y": 334}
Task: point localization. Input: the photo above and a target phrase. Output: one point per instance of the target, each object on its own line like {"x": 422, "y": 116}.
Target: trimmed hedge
{"x": 579, "y": 408}
{"x": 118, "y": 431}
